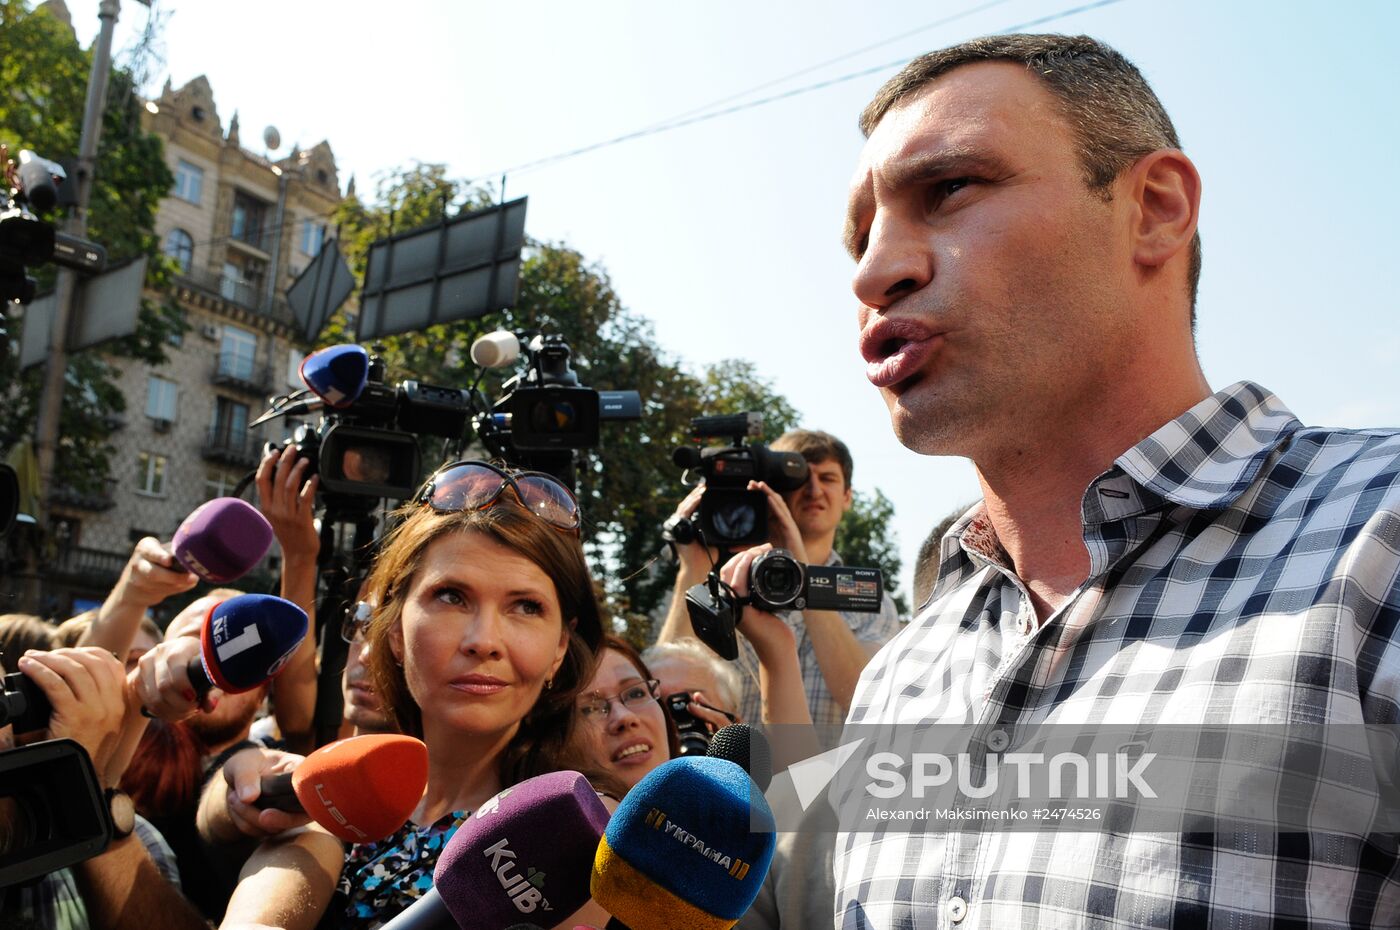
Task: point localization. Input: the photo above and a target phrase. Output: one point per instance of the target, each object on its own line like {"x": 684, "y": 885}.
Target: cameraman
{"x": 832, "y": 648}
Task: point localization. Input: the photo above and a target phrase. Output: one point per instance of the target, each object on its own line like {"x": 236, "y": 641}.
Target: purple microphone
{"x": 525, "y": 855}
{"x": 222, "y": 540}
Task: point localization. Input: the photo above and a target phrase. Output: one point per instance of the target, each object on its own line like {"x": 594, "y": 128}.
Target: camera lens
{"x": 776, "y": 578}
{"x": 734, "y": 521}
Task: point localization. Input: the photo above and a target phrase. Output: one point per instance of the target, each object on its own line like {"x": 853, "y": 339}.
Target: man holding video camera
{"x": 832, "y": 647}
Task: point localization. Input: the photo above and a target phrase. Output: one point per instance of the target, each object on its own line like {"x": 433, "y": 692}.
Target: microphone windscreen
{"x": 336, "y": 374}
{"x": 222, "y": 540}
{"x": 682, "y": 851}
{"x": 747, "y": 748}
{"x": 524, "y": 855}
{"x": 363, "y": 788}
{"x": 496, "y": 350}
{"x": 247, "y": 639}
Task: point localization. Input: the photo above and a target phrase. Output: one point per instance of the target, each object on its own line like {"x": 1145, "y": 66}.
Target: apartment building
{"x": 242, "y": 226}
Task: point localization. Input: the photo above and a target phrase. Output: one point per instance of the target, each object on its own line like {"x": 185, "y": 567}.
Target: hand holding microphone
{"x": 244, "y": 641}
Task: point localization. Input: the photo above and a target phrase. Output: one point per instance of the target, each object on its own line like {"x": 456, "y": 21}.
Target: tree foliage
{"x": 43, "y": 86}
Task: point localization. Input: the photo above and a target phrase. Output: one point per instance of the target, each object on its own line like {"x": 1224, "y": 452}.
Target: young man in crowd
{"x": 1147, "y": 551}
{"x": 831, "y": 647}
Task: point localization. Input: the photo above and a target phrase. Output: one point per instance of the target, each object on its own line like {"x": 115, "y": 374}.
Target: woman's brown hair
{"x": 540, "y": 745}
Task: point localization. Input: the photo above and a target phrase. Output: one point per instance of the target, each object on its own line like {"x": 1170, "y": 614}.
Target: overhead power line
{"x": 706, "y": 116}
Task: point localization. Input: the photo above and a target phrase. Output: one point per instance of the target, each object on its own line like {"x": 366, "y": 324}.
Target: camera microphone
{"x": 222, "y": 540}
{"x": 496, "y": 350}
{"x": 523, "y": 855}
{"x": 687, "y": 849}
{"x": 361, "y": 789}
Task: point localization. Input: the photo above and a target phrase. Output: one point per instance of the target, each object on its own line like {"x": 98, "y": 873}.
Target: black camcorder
{"x": 23, "y": 704}
{"x": 53, "y": 813}
{"x": 694, "y": 735}
{"x": 777, "y": 581}
{"x": 366, "y": 449}
{"x": 730, "y": 515}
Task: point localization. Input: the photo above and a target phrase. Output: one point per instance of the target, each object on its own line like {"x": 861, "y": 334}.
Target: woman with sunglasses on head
{"x": 485, "y": 633}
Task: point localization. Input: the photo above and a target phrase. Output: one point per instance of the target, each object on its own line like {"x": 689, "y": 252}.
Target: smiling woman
{"x": 624, "y": 731}
{"x": 485, "y": 636}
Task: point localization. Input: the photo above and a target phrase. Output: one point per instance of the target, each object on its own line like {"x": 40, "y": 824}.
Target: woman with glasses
{"x": 623, "y": 731}
{"x": 485, "y": 633}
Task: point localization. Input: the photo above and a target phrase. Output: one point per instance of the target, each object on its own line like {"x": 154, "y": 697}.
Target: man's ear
{"x": 1166, "y": 196}
{"x": 848, "y": 499}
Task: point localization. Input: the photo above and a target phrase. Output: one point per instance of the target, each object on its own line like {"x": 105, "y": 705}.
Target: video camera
{"x": 25, "y": 240}
{"x": 545, "y": 410}
{"x": 52, "y": 810}
{"x": 777, "y": 581}
{"x": 364, "y": 448}
{"x": 730, "y": 515}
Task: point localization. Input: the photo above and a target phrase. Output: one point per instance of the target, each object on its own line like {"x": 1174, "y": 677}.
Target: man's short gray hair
{"x": 688, "y": 649}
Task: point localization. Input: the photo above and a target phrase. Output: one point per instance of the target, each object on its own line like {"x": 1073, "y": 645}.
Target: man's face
{"x": 817, "y": 506}
{"x": 992, "y": 280}
{"x": 678, "y": 673}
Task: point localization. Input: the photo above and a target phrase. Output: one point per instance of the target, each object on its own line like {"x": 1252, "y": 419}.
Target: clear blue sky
{"x": 725, "y": 233}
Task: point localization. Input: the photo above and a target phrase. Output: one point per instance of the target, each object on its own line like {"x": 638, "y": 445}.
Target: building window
{"x": 189, "y": 181}
{"x": 179, "y": 245}
{"x": 294, "y": 369}
{"x": 230, "y": 421}
{"x": 160, "y": 398}
{"x": 312, "y": 234}
{"x": 150, "y": 473}
{"x": 237, "y": 353}
{"x": 218, "y": 484}
{"x": 248, "y": 216}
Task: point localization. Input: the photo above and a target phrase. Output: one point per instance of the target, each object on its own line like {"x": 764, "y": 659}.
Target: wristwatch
{"x": 123, "y": 813}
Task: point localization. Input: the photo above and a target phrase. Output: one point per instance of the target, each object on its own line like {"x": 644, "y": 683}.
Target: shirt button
{"x": 1023, "y": 625}
{"x": 957, "y": 909}
{"x": 997, "y": 740}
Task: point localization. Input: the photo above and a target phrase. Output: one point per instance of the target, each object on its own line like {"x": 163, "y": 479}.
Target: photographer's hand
{"x": 290, "y": 506}
{"x": 782, "y": 528}
{"x": 86, "y": 688}
{"x": 151, "y": 575}
{"x": 695, "y": 562}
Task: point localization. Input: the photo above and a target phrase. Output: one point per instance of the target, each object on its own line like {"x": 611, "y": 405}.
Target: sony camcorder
{"x": 777, "y": 581}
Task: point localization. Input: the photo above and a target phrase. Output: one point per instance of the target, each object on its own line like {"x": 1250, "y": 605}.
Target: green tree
{"x": 43, "y": 73}
{"x": 865, "y": 538}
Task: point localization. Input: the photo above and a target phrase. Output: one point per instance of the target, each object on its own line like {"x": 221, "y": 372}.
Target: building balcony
{"x": 101, "y": 498}
{"x": 237, "y": 292}
{"x": 231, "y": 447}
{"x": 94, "y": 567}
{"x": 237, "y": 373}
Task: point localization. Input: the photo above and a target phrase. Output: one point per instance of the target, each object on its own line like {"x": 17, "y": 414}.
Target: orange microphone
{"x": 361, "y": 789}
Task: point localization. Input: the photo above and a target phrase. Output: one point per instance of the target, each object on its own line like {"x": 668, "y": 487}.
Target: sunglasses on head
{"x": 477, "y": 485}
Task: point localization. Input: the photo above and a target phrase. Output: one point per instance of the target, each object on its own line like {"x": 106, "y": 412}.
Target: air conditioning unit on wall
{"x": 160, "y": 424}
{"x": 209, "y": 331}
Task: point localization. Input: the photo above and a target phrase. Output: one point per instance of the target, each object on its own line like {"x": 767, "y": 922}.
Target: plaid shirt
{"x": 1243, "y": 569}
{"x": 871, "y": 628}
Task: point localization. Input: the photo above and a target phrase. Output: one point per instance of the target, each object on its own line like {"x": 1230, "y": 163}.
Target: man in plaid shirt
{"x": 1147, "y": 550}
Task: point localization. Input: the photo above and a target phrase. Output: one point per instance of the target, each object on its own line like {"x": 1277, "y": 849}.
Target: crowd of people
{"x": 478, "y": 631}
{"x": 1023, "y": 222}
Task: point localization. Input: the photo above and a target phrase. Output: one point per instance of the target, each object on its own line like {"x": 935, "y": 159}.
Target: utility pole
{"x": 65, "y": 289}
